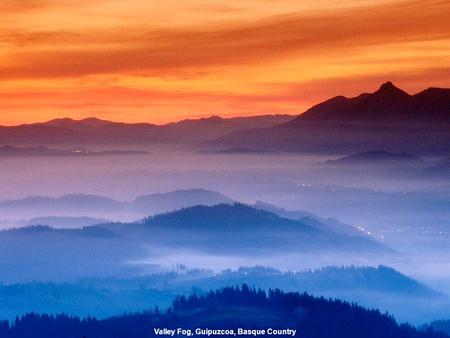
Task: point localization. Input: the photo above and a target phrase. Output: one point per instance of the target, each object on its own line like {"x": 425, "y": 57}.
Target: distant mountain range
{"x": 78, "y": 210}
{"x": 329, "y": 224}
{"x": 39, "y": 208}
{"x": 392, "y": 208}
{"x": 388, "y": 119}
{"x": 231, "y": 228}
{"x": 109, "y": 249}
{"x": 239, "y": 151}
{"x": 438, "y": 171}
{"x": 64, "y": 222}
{"x": 12, "y": 151}
{"x": 178, "y": 199}
{"x": 376, "y": 157}
{"x": 93, "y": 131}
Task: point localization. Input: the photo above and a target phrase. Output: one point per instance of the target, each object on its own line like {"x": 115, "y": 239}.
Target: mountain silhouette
{"x": 92, "y": 131}
{"x": 437, "y": 171}
{"x": 82, "y": 205}
{"x": 77, "y": 125}
{"x": 229, "y": 227}
{"x": 238, "y": 151}
{"x": 75, "y": 201}
{"x": 387, "y": 104}
{"x": 388, "y": 119}
{"x": 65, "y": 222}
{"x": 376, "y": 157}
{"x": 236, "y": 229}
{"x": 42, "y": 151}
{"x": 178, "y": 199}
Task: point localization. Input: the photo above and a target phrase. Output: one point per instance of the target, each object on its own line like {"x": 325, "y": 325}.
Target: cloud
{"x": 154, "y": 52}
{"x": 11, "y": 7}
{"x": 14, "y": 6}
{"x": 151, "y": 105}
{"x": 81, "y": 58}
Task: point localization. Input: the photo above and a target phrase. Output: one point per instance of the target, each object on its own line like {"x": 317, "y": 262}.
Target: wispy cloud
{"x": 157, "y": 51}
{"x": 192, "y": 62}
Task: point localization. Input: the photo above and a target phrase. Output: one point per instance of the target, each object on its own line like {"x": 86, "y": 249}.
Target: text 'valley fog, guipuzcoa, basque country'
{"x": 224, "y": 332}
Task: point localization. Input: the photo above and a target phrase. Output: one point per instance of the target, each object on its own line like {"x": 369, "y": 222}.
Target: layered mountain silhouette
{"x": 79, "y": 210}
{"x": 328, "y": 224}
{"x": 65, "y": 222}
{"x": 239, "y": 151}
{"x": 230, "y": 227}
{"x": 376, "y": 157}
{"x": 376, "y": 287}
{"x": 93, "y": 131}
{"x": 178, "y": 199}
{"x": 108, "y": 249}
{"x": 37, "y": 151}
{"x": 388, "y": 119}
{"x": 437, "y": 171}
{"x": 38, "y": 208}
{"x": 392, "y": 207}
{"x": 388, "y": 104}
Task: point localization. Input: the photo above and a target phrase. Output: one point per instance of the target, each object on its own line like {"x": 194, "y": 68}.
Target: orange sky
{"x": 165, "y": 60}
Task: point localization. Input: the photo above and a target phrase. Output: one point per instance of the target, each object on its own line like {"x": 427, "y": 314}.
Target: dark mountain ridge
{"x": 387, "y": 104}
{"x": 388, "y": 119}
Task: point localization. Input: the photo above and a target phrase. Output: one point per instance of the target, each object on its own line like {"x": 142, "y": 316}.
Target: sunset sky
{"x": 165, "y": 60}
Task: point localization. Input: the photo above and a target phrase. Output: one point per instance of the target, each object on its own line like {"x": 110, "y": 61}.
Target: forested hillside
{"x": 228, "y": 308}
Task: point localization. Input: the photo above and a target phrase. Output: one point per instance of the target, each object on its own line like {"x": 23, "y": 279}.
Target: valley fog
{"x": 275, "y": 178}
{"x": 391, "y": 204}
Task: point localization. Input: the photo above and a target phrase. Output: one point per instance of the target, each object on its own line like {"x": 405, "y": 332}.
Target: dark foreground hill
{"x": 232, "y": 309}
{"x": 441, "y": 325}
{"x": 382, "y": 288}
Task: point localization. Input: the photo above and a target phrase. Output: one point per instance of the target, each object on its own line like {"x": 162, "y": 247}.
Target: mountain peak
{"x": 93, "y": 121}
{"x": 215, "y": 117}
{"x": 387, "y": 84}
{"x": 389, "y": 88}
{"x": 386, "y": 105}
{"x": 69, "y": 122}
